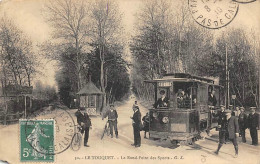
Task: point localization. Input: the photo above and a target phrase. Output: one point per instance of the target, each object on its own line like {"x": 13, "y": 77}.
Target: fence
{"x": 8, "y": 118}
{"x": 16, "y": 110}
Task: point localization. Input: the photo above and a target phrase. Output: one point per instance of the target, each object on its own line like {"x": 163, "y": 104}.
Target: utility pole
{"x": 25, "y": 106}
{"x": 227, "y": 80}
{"x": 258, "y": 64}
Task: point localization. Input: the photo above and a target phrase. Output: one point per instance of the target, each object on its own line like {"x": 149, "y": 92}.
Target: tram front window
{"x": 186, "y": 96}
{"x": 163, "y": 101}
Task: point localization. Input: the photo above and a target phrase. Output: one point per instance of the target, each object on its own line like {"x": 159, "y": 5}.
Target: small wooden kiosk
{"x": 91, "y": 98}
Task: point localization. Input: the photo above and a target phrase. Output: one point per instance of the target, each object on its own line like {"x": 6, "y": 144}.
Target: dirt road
{"x": 112, "y": 150}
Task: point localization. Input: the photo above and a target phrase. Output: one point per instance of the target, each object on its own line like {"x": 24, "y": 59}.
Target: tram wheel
{"x": 191, "y": 141}
{"x": 183, "y": 143}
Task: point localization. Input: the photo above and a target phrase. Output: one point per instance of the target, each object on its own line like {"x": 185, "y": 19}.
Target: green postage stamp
{"x": 36, "y": 140}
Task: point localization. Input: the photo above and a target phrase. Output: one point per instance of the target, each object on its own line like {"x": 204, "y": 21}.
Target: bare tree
{"x": 69, "y": 19}
{"x": 18, "y": 60}
{"x": 255, "y": 55}
{"x": 166, "y": 40}
{"x": 106, "y": 31}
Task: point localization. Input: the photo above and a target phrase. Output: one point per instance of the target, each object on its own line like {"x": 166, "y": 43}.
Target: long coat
{"x": 253, "y": 121}
{"x": 221, "y": 116}
{"x": 233, "y": 127}
{"x": 242, "y": 120}
{"x": 212, "y": 100}
{"x": 137, "y": 120}
{"x": 83, "y": 118}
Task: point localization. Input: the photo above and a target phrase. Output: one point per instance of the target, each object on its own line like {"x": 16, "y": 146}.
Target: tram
{"x": 184, "y": 107}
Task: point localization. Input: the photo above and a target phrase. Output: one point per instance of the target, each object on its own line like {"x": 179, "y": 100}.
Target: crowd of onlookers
{"x": 233, "y": 123}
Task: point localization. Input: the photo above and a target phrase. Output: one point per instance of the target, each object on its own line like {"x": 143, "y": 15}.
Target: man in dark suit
{"x": 112, "y": 119}
{"x": 163, "y": 101}
{"x": 221, "y": 114}
{"x": 253, "y": 125}
{"x": 212, "y": 100}
{"x": 230, "y": 124}
{"x": 136, "y": 125}
{"x": 242, "y": 121}
{"x": 85, "y": 122}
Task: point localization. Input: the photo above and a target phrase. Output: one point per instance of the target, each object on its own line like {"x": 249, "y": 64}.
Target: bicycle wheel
{"x": 76, "y": 142}
{"x": 108, "y": 131}
{"x": 105, "y": 131}
{"x": 102, "y": 136}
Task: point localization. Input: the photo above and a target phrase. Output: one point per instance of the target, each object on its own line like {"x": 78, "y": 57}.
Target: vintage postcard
{"x": 130, "y": 81}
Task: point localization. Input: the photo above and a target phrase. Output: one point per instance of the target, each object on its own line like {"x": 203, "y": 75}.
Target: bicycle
{"x": 76, "y": 139}
{"x": 106, "y": 130}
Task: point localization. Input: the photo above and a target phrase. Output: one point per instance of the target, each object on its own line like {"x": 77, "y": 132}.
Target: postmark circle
{"x": 63, "y": 131}
{"x": 213, "y": 14}
{"x": 244, "y": 1}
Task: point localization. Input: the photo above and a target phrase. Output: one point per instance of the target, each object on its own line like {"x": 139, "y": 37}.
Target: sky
{"x": 28, "y": 16}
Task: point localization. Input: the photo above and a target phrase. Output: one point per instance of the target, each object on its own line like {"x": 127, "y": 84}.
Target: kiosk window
{"x": 91, "y": 101}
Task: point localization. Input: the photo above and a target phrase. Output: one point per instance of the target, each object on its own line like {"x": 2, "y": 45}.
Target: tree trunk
{"x": 29, "y": 80}
{"x": 102, "y": 81}
{"x": 78, "y": 65}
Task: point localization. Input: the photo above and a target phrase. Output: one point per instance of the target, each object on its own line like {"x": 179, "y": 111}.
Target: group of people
{"x": 184, "y": 99}
{"x": 232, "y": 124}
{"x": 84, "y": 122}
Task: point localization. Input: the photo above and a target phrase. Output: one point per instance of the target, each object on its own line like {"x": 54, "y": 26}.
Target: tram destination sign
{"x": 164, "y": 84}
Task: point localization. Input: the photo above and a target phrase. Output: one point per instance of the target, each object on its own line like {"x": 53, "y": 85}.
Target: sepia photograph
{"x": 130, "y": 81}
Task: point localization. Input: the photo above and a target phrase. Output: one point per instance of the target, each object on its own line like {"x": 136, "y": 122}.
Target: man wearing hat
{"x": 242, "y": 121}
{"x": 136, "y": 126}
{"x": 221, "y": 114}
{"x": 253, "y": 125}
{"x": 230, "y": 125}
{"x": 212, "y": 100}
{"x": 231, "y": 107}
{"x": 135, "y": 104}
{"x": 163, "y": 101}
{"x": 85, "y": 122}
{"x": 112, "y": 119}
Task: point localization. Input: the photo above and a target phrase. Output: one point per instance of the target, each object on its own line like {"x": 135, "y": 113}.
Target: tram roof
{"x": 182, "y": 77}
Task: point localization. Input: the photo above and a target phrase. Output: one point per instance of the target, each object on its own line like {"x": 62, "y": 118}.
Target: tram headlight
{"x": 165, "y": 120}
{"x": 155, "y": 114}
